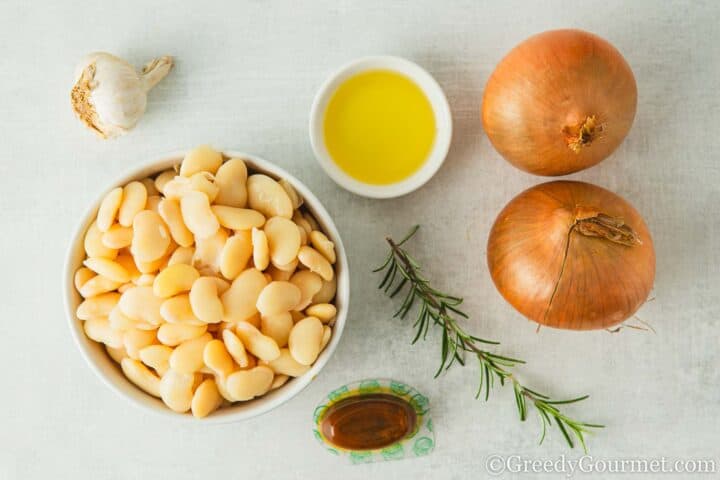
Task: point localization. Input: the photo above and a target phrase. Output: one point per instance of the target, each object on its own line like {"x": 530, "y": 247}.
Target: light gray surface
{"x": 245, "y": 78}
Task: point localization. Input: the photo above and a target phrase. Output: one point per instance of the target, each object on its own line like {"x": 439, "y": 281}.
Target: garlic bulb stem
{"x": 156, "y": 70}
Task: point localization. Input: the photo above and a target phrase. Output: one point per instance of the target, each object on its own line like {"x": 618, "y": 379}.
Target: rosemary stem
{"x": 442, "y": 310}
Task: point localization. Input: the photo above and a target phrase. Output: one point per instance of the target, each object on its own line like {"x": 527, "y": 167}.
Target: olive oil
{"x": 379, "y": 127}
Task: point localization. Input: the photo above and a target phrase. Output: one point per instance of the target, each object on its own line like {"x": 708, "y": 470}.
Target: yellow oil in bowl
{"x": 379, "y": 127}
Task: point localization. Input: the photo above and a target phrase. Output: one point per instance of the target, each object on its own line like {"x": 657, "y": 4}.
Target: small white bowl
{"x": 443, "y": 125}
{"x": 110, "y": 373}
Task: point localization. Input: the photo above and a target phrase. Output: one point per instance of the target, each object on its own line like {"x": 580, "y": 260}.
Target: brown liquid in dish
{"x": 367, "y": 422}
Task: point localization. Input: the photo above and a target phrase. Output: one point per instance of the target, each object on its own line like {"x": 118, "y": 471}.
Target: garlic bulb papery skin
{"x": 110, "y": 96}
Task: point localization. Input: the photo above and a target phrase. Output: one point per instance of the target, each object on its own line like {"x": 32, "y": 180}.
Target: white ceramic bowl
{"x": 110, "y": 373}
{"x": 443, "y": 122}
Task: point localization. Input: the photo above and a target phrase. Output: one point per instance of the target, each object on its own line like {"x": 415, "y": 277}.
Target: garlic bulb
{"x": 109, "y": 96}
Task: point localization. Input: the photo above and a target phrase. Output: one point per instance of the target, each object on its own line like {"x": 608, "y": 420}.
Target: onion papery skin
{"x": 550, "y": 271}
{"x": 546, "y": 89}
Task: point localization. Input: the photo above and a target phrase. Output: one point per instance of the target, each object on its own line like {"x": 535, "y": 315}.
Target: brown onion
{"x": 572, "y": 255}
{"x": 559, "y": 102}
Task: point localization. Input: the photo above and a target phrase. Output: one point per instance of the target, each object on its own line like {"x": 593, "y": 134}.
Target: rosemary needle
{"x": 402, "y": 273}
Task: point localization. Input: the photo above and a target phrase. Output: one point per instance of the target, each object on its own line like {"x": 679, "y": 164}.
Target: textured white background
{"x": 245, "y": 78}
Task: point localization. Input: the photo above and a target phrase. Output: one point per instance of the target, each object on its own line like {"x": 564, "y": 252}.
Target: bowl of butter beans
{"x": 207, "y": 284}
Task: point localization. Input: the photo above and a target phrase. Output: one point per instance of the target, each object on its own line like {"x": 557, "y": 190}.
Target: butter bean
{"x": 255, "y": 342}
{"x": 236, "y": 254}
{"x": 304, "y": 341}
{"x": 239, "y": 301}
{"x": 208, "y": 252}
{"x": 121, "y": 322}
{"x": 141, "y": 304}
{"x": 134, "y": 198}
{"x": 177, "y": 187}
{"x": 176, "y": 390}
{"x": 188, "y": 356}
{"x": 238, "y": 218}
{"x": 82, "y": 275}
{"x": 312, "y": 259}
{"x": 222, "y": 285}
{"x": 174, "y": 280}
{"x": 98, "y": 306}
{"x": 97, "y": 286}
{"x": 283, "y": 239}
{"x": 279, "y": 381}
{"x": 169, "y": 210}
{"x": 117, "y": 354}
{"x": 277, "y": 327}
{"x": 204, "y": 300}
{"x": 150, "y": 237}
{"x": 309, "y": 284}
{"x": 235, "y": 348}
{"x": 295, "y": 199}
{"x": 285, "y": 364}
{"x": 126, "y": 261}
{"x": 145, "y": 280}
{"x": 162, "y": 179}
{"x": 197, "y": 215}
{"x": 150, "y": 186}
{"x": 231, "y": 178}
{"x": 278, "y": 275}
{"x": 325, "y": 312}
{"x": 94, "y": 246}
{"x": 247, "y": 384}
{"x": 99, "y": 329}
{"x": 108, "y": 210}
{"x": 157, "y": 357}
{"x": 206, "y": 399}
{"x": 287, "y": 267}
{"x": 261, "y": 251}
{"x": 179, "y": 310}
{"x": 199, "y": 377}
{"x": 150, "y": 267}
{"x": 254, "y": 320}
{"x": 322, "y": 244}
{"x": 117, "y": 237}
{"x": 139, "y": 374}
{"x": 278, "y": 297}
{"x": 327, "y": 334}
{"x": 303, "y": 235}
{"x": 204, "y": 182}
{"x": 135, "y": 340}
{"x": 153, "y": 203}
{"x": 221, "y": 383}
{"x": 268, "y": 197}
{"x": 301, "y": 222}
{"x": 327, "y": 292}
{"x": 168, "y": 252}
{"x": 201, "y": 159}
{"x": 181, "y": 255}
{"x": 314, "y": 225}
{"x": 218, "y": 359}
{"x": 108, "y": 269}
{"x": 172, "y": 334}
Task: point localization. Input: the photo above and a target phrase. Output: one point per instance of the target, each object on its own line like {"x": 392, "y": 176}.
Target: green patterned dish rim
{"x": 420, "y": 442}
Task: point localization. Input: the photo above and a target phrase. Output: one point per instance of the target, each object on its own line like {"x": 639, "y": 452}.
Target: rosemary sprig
{"x": 403, "y": 273}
